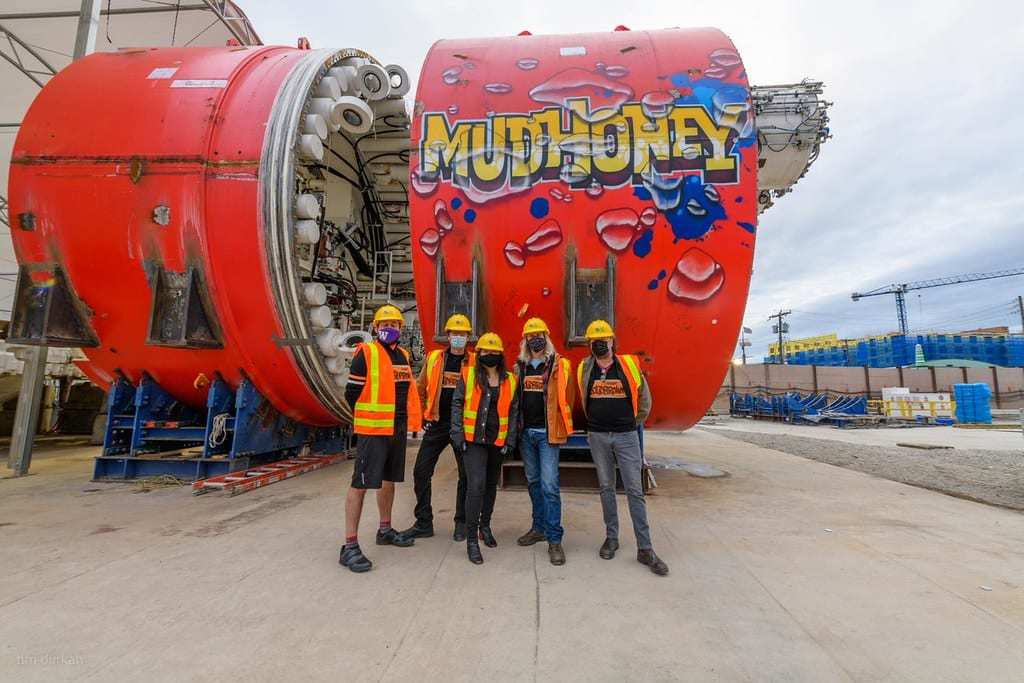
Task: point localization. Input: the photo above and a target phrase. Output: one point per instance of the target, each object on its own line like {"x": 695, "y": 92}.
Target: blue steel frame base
{"x": 149, "y": 431}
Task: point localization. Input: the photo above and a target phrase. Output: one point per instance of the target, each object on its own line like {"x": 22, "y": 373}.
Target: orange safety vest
{"x": 473, "y": 394}
{"x": 375, "y": 408}
{"x": 435, "y": 370}
{"x": 563, "y": 402}
{"x": 633, "y": 377}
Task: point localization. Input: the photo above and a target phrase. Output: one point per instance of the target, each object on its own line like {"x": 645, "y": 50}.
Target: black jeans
{"x": 483, "y": 465}
{"x": 436, "y": 438}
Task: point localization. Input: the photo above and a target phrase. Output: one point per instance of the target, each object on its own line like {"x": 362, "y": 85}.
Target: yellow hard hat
{"x": 458, "y": 323}
{"x": 489, "y": 342}
{"x": 599, "y": 329}
{"x": 534, "y": 325}
{"x": 388, "y": 312}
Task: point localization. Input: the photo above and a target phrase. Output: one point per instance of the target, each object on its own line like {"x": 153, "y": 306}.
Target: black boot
{"x": 391, "y": 537}
{"x": 608, "y": 549}
{"x": 473, "y": 550}
{"x": 487, "y": 537}
{"x": 353, "y": 558}
{"x": 459, "y": 535}
{"x": 648, "y": 558}
{"x": 417, "y": 531}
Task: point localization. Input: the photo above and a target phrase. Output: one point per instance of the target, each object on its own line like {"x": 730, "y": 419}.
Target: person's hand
{"x": 506, "y": 450}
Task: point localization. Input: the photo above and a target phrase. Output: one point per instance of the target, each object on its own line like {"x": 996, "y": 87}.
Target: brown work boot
{"x": 530, "y": 537}
{"x": 556, "y": 554}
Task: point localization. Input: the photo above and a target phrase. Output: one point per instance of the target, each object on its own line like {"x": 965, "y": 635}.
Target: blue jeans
{"x": 540, "y": 460}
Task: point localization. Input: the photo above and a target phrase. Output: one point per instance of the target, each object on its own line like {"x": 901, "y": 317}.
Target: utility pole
{"x": 744, "y": 331}
{"x": 1020, "y": 309}
{"x": 780, "y": 327}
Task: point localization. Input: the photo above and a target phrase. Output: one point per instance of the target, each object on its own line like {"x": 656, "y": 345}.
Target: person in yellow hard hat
{"x": 617, "y": 400}
{"x": 483, "y": 425}
{"x": 436, "y": 384}
{"x": 546, "y": 395}
{"x": 385, "y": 409}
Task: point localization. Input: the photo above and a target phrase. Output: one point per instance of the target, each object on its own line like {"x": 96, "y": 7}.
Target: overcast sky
{"x": 922, "y": 179}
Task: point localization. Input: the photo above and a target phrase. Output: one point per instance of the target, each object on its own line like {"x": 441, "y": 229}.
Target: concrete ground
{"x": 788, "y": 569}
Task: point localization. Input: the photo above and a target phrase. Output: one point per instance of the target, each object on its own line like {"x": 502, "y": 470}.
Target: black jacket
{"x": 458, "y": 406}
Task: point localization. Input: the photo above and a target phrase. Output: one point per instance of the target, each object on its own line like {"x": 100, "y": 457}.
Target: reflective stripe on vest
{"x": 375, "y": 408}
{"x": 434, "y": 372}
{"x": 374, "y": 412}
{"x": 472, "y": 405}
{"x": 563, "y": 400}
{"x": 634, "y": 377}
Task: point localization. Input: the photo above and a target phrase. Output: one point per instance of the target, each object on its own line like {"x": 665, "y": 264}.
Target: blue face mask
{"x": 536, "y": 362}
{"x": 458, "y": 341}
{"x": 388, "y": 335}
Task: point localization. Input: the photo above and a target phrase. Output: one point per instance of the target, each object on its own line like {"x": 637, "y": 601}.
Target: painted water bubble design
{"x": 694, "y": 207}
{"x": 657, "y": 103}
{"x": 453, "y": 109}
{"x": 595, "y": 190}
{"x": 514, "y": 254}
{"x": 648, "y": 216}
{"x": 547, "y": 236}
{"x": 715, "y": 72}
{"x": 527, "y": 63}
{"x": 498, "y": 88}
{"x": 697, "y": 277}
{"x": 442, "y": 218}
{"x": 422, "y": 183}
{"x": 616, "y": 228}
{"x": 616, "y": 71}
{"x": 430, "y": 241}
{"x": 724, "y": 58}
{"x": 451, "y": 75}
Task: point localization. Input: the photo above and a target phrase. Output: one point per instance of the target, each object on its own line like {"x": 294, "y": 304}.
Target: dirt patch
{"x": 992, "y": 477}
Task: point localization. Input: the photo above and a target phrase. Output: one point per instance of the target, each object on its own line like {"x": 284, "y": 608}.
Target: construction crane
{"x": 900, "y": 290}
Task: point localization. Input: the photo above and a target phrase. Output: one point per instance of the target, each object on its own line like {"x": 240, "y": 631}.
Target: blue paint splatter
{"x": 653, "y": 284}
{"x": 662, "y": 275}
{"x": 456, "y": 203}
{"x": 739, "y": 200}
{"x": 698, "y": 209}
{"x": 470, "y": 215}
{"x": 642, "y": 246}
{"x": 539, "y": 207}
{"x": 749, "y": 227}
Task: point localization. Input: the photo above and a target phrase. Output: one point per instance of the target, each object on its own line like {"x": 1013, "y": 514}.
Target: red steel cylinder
{"x": 150, "y": 163}
{"x": 607, "y": 175}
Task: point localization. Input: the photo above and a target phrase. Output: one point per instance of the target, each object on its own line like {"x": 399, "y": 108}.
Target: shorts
{"x": 379, "y": 459}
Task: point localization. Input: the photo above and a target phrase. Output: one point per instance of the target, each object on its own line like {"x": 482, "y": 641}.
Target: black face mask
{"x": 491, "y": 360}
{"x": 599, "y": 347}
{"x": 537, "y": 344}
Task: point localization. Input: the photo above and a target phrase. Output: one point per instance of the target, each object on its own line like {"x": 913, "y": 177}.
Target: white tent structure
{"x": 38, "y": 38}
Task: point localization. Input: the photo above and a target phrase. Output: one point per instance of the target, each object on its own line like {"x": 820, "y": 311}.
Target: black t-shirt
{"x": 491, "y": 425}
{"x": 449, "y": 378}
{"x": 609, "y": 402}
{"x": 534, "y": 405}
{"x": 403, "y": 379}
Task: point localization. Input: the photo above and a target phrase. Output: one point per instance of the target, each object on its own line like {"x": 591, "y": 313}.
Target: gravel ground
{"x": 993, "y": 477}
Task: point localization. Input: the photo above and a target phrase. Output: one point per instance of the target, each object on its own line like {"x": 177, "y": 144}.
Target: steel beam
{"x": 15, "y": 51}
{"x": 88, "y": 27}
{"x": 26, "y": 417}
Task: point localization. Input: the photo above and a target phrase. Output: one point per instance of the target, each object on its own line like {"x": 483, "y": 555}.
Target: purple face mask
{"x": 388, "y": 335}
